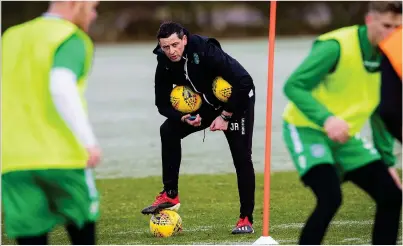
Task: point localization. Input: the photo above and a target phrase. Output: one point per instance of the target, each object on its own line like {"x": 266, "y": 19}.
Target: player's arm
{"x": 162, "y": 94}
{"x": 320, "y": 62}
{"x": 233, "y": 72}
{"x": 383, "y": 140}
{"x": 67, "y": 68}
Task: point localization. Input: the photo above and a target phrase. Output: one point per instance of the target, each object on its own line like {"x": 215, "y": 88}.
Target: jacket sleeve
{"x": 233, "y": 72}
{"x": 163, "y": 90}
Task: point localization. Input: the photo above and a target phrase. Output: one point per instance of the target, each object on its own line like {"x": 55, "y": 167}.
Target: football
{"x": 165, "y": 223}
{"x": 221, "y": 89}
{"x": 185, "y": 100}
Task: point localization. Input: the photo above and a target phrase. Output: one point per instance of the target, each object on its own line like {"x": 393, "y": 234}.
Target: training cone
{"x": 265, "y": 241}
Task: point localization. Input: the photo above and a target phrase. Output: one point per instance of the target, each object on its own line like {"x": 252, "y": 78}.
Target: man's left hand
{"x": 219, "y": 124}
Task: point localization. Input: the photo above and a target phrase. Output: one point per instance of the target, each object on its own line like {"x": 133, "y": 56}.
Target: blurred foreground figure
{"x": 390, "y": 108}
{"x": 47, "y": 140}
{"x": 332, "y": 94}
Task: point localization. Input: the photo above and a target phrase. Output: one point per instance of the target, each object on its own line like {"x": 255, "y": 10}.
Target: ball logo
{"x": 226, "y": 92}
{"x": 175, "y": 102}
{"x": 162, "y": 219}
{"x": 184, "y": 99}
{"x": 189, "y": 98}
{"x": 222, "y": 89}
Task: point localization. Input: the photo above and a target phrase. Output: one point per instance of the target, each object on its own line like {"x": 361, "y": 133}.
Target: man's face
{"x": 380, "y": 25}
{"x": 85, "y": 13}
{"x": 173, "y": 46}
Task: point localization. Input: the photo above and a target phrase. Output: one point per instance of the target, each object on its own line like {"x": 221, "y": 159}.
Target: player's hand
{"x": 196, "y": 122}
{"x": 395, "y": 177}
{"x": 219, "y": 124}
{"x": 337, "y": 129}
{"x": 94, "y": 156}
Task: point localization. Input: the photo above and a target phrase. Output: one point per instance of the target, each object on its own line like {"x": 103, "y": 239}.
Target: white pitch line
{"x": 353, "y": 239}
{"x": 281, "y": 226}
{"x": 287, "y": 241}
{"x": 226, "y": 242}
{"x": 334, "y": 223}
{"x": 191, "y": 229}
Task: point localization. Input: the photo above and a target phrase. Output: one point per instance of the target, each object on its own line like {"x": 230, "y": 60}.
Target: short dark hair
{"x": 168, "y": 28}
{"x": 386, "y": 6}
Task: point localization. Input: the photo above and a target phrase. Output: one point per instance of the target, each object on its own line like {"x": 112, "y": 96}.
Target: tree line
{"x": 130, "y": 21}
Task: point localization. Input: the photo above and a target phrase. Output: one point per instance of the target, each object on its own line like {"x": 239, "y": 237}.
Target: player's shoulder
{"x": 328, "y": 42}
{"x": 71, "y": 54}
{"x": 75, "y": 41}
{"x": 73, "y": 46}
{"x": 342, "y": 33}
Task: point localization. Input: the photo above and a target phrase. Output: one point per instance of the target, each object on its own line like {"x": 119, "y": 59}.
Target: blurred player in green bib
{"x": 48, "y": 146}
{"x": 332, "y": 94}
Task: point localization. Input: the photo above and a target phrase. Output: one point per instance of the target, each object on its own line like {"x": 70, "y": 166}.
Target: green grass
{"x": 210, "y": 208}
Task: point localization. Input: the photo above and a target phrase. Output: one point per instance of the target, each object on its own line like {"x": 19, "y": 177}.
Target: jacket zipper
{"x": 188, "y": 79}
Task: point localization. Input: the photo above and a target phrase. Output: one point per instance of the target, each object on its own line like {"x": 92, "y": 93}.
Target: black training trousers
{"x": 239, "y": 137}
{"x": 374, "y": 179}
{"x": 84, "y": 236}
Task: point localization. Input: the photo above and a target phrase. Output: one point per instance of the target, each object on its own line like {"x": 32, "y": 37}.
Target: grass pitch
{"x": 210, "y": 207}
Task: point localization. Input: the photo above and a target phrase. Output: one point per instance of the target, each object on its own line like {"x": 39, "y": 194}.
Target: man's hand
{"x": 395, "y": 177}
{"x": 337, "y": 129}
{"x": 196, "y": 122}
{"x": 94, "y": 156}
{"x": 219, "y": 124}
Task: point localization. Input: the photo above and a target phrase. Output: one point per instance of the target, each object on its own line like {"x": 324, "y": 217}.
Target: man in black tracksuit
{"x": 195, "y": 61}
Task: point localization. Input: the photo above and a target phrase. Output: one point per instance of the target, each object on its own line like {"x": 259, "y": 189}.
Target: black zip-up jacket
{"x": 202, "y": 61}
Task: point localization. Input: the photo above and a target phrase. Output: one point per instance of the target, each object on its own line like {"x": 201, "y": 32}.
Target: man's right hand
{"x": 337, "y": 129}
{"x": 196, "y": 122}
{"x": 94, "y": 156}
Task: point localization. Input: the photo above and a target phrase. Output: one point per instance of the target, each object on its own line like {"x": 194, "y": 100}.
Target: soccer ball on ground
{"x": 165, "y": 223}
{"x": 221, "y": 89}
{"x": 185, "y": 100}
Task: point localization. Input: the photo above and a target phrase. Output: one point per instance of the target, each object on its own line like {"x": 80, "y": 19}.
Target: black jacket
{"x": 204, "y": 60}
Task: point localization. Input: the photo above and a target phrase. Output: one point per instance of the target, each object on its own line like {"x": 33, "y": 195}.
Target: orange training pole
{"x": 266, "y": 197}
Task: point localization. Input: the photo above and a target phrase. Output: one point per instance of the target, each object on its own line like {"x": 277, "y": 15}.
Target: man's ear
{"x": 185, "y": 39}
